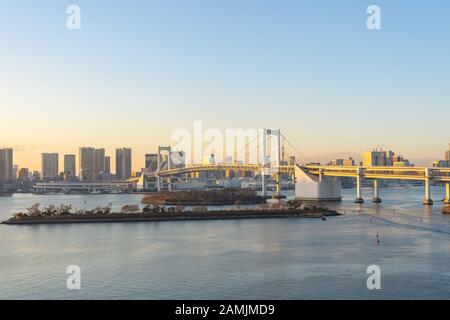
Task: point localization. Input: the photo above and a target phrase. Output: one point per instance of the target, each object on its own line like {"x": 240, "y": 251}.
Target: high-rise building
{"x": 50, "y": 166}
{"x": 99, "y": 163}
{"x": 86, "y": 163}
{"x": 374, "y": 158}
{"x": 70, "y": 164}
{"x": 91, "y": 163}
{"x": 6, "y": 164}
{"x": 15, "y": 171}
{"x": 24, "y": 175}
{"x": 349, "y": 162}
{"x": 123, "y": 163}
{"x": 337, "y": 162}
{"x": 108, "y": 165}
{"x": 447, "y": 153}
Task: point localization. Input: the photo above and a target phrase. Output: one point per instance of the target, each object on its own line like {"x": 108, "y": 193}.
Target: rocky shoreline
{"x": 141, "y": 217}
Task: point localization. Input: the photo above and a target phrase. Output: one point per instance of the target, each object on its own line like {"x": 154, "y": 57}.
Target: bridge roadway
{"x": 84, "y": 186}
{"x": 403, "y": 173}
{"x": 425, "y": 174}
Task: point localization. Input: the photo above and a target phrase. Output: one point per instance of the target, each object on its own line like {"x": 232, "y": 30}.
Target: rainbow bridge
{"x": 312, "y": 182}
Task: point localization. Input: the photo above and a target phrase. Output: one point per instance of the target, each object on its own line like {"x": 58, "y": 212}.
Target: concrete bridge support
{"x": 427, "y": 200}
{"x": 376, "y": 198}
{"x": 447, "y": 193}
{"x": 312, "y": 188}
{"x": 359, "y": 178}
{"x": 277, "y": 185}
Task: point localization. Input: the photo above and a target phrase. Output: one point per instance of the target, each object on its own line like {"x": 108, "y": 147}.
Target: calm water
{"x": 245, "y": 259}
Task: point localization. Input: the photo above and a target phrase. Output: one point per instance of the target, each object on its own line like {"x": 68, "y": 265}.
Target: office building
{"x": 374, "y": 158}
{"x": 70, "y": 164}
{"x": 123, "y": 163}
{"x": 49, "y": 166}
{"x": 447, "y": 153}
{"x": 15, "y": 171}
{"x": 91, "y": 164}
{"x": 24, "y": 175}
{"x": 337, "y": 162}
{"x": 6, "y": 165}
{"x": 349, "y": 162}
{"x": 108, "y": 165}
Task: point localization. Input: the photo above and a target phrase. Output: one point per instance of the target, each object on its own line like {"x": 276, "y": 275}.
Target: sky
{"x": 138, "y": 70}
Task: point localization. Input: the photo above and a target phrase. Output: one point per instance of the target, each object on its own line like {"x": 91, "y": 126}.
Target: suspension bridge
{"x": 312, "y": 182}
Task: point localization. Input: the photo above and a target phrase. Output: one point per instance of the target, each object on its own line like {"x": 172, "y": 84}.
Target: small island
{"x": 204, "y": 197}
{"x": 132, "y": 213}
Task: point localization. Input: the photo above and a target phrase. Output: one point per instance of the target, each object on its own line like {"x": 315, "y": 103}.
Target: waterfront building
{"x": 123, "y": 163}
{"x": 99, "y": 163}
{"x": 6, "y": 165}
{"x": 36, "y": 176}
{"x": 49, "y": 166}
{"x": 70, "y": 164}
{"x": 337, "y": 162}
{"x": 15, "y": 171}
{"x": 24, "y": 175}
{"x": 399, "y": 161}
{"x": 403, "y": 163}
{"x": 441, "y": 164}
{"x": 349, "y": 162}
{"x": 377, "y": 158}
{"x": 108, "y": 165}
{"x": 91, "y": 163}
{"x": 374, "y": 158}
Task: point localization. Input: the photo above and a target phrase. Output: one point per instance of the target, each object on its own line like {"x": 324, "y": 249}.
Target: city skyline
{"x": 106, "y": 167}
{"x": 337, "y": 91}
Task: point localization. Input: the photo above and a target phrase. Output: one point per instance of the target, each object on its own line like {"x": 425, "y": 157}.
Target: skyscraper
{"x": 50, "y": 166}
{"x": 374, "y": 158}
{"x": 447, "y": 153}
{"x": 91, "y": 163}
{"x": 123, "y": 163}
{"x": 24, "y": 175}
{"x": 86, "y": 163}
{"x": 108, "y": 165}
{"x": 70, "y": 164}
{"x": 99, "y": 163}
{"x": 6, "y": 164}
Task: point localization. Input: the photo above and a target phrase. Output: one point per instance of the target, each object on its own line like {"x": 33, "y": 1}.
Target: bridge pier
{"x": 376, "y": 198}
{"x": 427, "y": 200}
{"x": 169, "y": 183}
{"x": 277, "y": 186}
{"x": 359, "y": 198}
{"x": 263, "y": 183}
{"x": 447, "y": 193}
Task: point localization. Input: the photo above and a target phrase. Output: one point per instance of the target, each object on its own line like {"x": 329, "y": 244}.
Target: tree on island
{"x": 130, "y": 209}
{"x": 34, "y": 210}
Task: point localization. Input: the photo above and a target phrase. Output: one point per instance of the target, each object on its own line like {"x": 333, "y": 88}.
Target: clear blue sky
{"x": 139, "y": 69}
